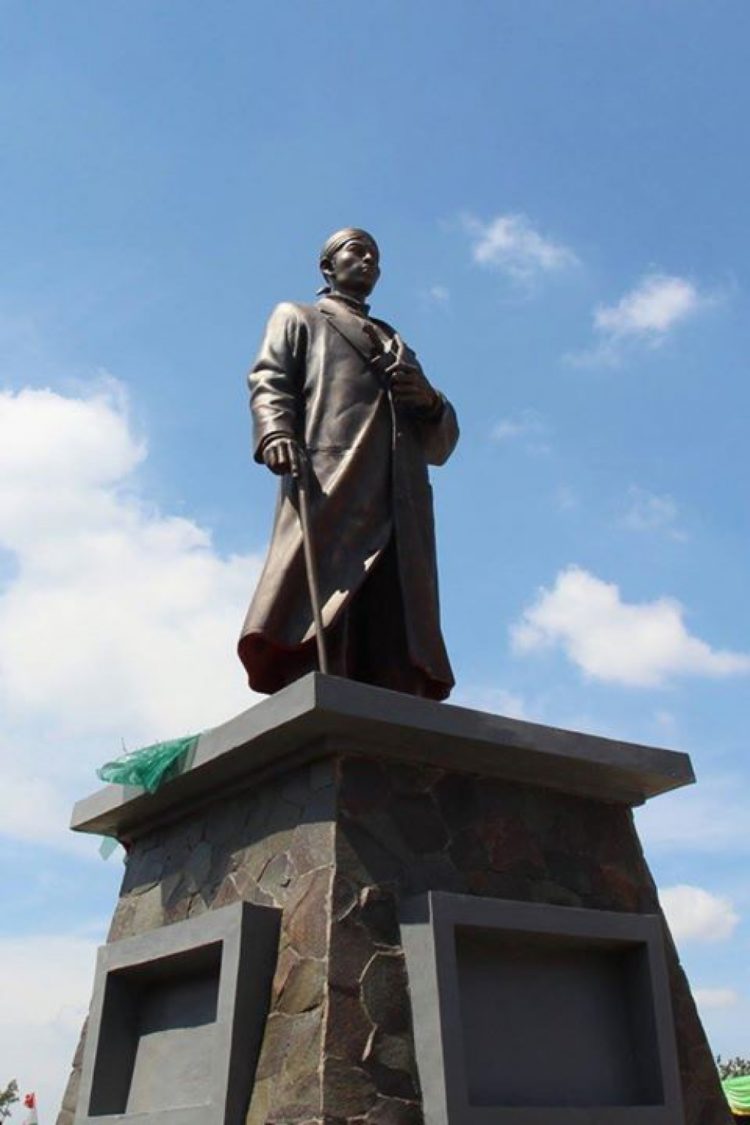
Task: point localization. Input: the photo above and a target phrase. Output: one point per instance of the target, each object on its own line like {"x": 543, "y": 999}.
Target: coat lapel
{"x": 352, "y": 328}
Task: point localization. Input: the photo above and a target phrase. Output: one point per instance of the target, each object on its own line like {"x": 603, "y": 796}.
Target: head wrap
{"x": 340, "y": 238}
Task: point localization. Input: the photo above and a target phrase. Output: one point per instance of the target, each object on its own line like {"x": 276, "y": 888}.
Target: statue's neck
{"x": 348, "y": 299}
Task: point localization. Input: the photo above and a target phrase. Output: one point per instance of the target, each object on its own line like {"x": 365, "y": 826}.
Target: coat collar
{"x": 352, "y": 303}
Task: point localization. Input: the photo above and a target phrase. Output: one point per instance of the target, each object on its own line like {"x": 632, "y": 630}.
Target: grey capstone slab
{"x": 321, "y": 715}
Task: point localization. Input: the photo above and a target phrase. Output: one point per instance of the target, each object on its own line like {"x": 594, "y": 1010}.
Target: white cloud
{"x": 656, "y": 305}
{"x": 708, "y": 819}
{"x": 648, "y": 512}
{"x": 510, "y": 243}
{"x": 652, "y": 308}
{"x": 47, "y": 983}
{"x": 494, "y": 701}
{"x": 117, "y": 621}
{"x": 527, "y": 427}
{"x": 439, "y": 294}
{"x": 566, "y": 498}
{"x": 666, "y": 722}
{"x": 695, "y": 914}
{"x": 711, "y": 998}
{"x": 638, "y": 644}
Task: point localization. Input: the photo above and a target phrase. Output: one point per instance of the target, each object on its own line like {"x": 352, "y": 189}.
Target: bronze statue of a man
{"x": 334, "y": 391}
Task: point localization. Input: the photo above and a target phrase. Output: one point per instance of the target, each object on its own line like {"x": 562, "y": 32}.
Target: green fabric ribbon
{"x": 147, "y": 767}
{"x": 108, "y": 846}
{"x": 737, "y": 1091}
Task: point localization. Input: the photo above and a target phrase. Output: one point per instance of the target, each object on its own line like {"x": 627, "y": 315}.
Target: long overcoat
{"x": 314, "y": 380}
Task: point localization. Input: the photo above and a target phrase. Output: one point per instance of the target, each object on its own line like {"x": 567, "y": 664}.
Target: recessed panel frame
{"x": 215, "y": 973}
{"x": 433, "y": 926}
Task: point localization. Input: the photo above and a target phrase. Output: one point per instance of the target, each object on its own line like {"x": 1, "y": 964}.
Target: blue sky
{"x": 559, "y": 191}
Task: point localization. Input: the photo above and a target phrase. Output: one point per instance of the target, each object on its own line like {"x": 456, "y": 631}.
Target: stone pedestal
{"x": 341, "y": 807}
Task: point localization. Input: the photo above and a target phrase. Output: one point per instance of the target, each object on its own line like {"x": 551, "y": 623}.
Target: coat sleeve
{"x": 439, "y": 435}
{"x": 275, "y": 379}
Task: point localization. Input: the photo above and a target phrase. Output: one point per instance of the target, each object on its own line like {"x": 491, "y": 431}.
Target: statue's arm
{"x": 439, "y": 433}
{"x": 275, "y": 380}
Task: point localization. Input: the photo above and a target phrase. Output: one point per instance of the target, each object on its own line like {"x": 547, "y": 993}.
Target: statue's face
{"x": 355, "y": 268}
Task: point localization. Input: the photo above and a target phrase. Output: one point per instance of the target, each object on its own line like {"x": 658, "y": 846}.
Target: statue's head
{"x": 350, "y": 263}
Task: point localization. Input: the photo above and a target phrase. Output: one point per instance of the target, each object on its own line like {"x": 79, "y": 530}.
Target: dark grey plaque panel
{"x": 176, "y": 1021}
{"x": 541, "y": 1015}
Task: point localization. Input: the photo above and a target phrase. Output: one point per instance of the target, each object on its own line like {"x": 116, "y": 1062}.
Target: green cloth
{"x": 148, "y": 766}
{"x": 737, "y": 1091}
{"x": 107, "y": 846}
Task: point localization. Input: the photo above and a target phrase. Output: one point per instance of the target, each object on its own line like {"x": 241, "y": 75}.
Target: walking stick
{"x": 311, "y": 566}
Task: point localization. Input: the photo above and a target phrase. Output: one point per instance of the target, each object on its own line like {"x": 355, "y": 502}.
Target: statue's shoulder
{"x": 294, "y": 311}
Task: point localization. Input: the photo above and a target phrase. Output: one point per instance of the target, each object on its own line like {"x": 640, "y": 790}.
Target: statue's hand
{"x": 410, "y": 388}
{"x": 283, "y": 455}
{"x": 409, "y": 385}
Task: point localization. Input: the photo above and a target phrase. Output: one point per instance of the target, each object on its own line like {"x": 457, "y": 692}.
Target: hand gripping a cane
{"x": 285, "y": 455}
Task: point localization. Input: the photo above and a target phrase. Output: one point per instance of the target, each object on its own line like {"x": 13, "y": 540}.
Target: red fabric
{"x": 30, "y": 1101}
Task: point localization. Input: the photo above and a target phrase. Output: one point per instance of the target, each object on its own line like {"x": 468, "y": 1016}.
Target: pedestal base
{"x": 338, "y": 806}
